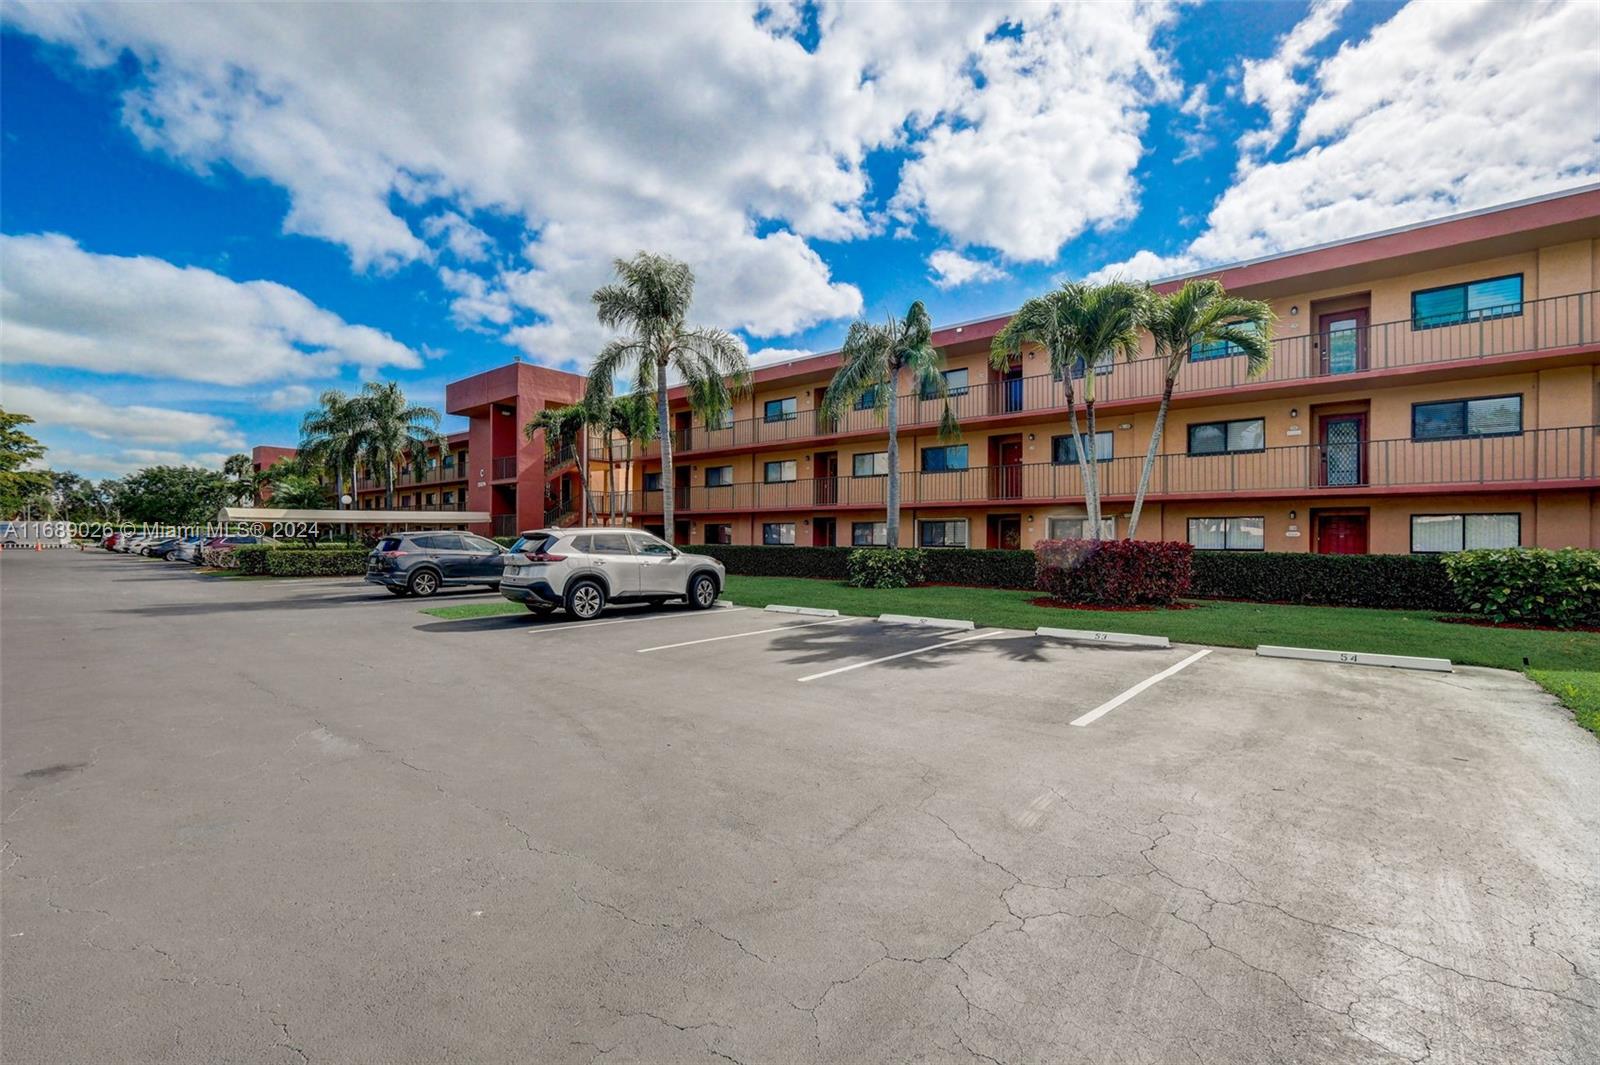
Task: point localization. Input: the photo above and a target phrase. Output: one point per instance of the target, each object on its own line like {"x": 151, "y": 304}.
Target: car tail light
{"x": 540, "y": 556}
{"x": 392, "y": 554}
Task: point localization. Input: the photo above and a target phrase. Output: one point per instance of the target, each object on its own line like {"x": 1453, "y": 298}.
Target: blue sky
{"x": 208, "y": 220}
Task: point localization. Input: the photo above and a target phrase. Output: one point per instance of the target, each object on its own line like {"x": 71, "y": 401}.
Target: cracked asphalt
{"x": 254, "y": 821}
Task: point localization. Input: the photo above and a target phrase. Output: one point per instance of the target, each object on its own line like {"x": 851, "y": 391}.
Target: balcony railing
{"x": 1542, "y": 325}
{"x": 504, "y": 525}
{"x": 505, "y": 468}
{"x": 559, "y": 456}
{"x": 1534, "y": 457}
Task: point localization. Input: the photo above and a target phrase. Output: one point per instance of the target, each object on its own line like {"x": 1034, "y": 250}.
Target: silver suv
{"x": 584, "y": 569}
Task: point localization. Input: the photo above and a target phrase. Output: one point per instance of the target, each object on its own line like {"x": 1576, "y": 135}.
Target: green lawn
{"x": 1567, "y": 664}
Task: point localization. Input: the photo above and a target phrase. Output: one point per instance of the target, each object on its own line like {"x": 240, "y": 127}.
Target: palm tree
{"x": 873, "y": 362}
{"x": 1200, "y": 313}
{"x": 566, "y": 425}
{"x": 1082, "y": 327}
{"x": 330, "y": 438}
{"x": 633, "y": 418}
{"x": 391, "y": 430}
{"x": 650, "y": 299}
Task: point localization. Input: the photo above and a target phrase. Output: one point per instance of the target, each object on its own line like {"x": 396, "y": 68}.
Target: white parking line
{"x": 902, "y": 654}
{"x": 1105, "y": 708}
{"x": 570, "y": 626}
{"x": 742, "y": 635}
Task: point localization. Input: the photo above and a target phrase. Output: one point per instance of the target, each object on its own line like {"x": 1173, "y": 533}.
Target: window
{"x": 1464, "y": 532}
{"x": 428, "y": 500}
{"x": 1220, "y": 349}
{"x": 719, "y": 534}
{"x": 941, "y": 459}
{"x": 405, "y": 501}
{"x": 1225, "y": 438}
{"x": 1458, "y": 418}
{"x": 1102, "y": 367}
{"x": 649, "y": 546}
{"x": 449, "y": 498}
{"x": 449, "y": 462}
{"x": 942, "y": 533}
{"x": 869, "y": 534}
{"x": 779, "y": 410}
{"x": 778, "y": 472}
{"x": 870, "y": 464}
{"x": 722, "y": 420}
{"x": 955, "y": 384}
{"x": 609, "y": 544}
{"x": 1078, "y": 528}
{"x": 868, "y": 399}
{"x": 461, "y": 459}
{"x": 719, "y": 477}
{"x": 1064, "y": 449}
{"x": 1228, "y": 534}
{"x": 1496, "y": 297}
{"x": 778, "y": 533}
{"x": 652, "y": 482}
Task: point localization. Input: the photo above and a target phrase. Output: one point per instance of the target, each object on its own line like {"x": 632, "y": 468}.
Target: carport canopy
{"x": 403, "y": 518}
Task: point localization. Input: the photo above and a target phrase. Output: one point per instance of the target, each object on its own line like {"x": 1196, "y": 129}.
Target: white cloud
{"x": 1273, "y": 83}
{"x": 950, "y": 269}
{"x": 95, "y": 465}
{"x": 123, "y": 424}
{"x": 1048, "y": 146}
{"x": 704, "y": 131}
{"x": 290, "y": 397}
{"x": 774, "y": 356}
{"x": 1444, "y": 108}
{"x": 63, "y": 306}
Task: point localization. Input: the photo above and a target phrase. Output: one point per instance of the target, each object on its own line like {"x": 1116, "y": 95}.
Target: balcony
{"x": 562, "y": 455}
{"x": 1541, "y": 458}
{"x": 504, "y": 469}
{"x": 1543, "y": 325}
{"x": 505, "y": 525}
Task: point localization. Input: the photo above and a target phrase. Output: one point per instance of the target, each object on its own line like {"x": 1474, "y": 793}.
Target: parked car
{"x": 110, "y": 541}
{"x": 128, "y": 543}
{"x": 226, "y": 543}
{"x": 159, "y": 548}
{"x": 581, "y": 570}
{"x": 420, "y": 563}
{"x": 186, "y": 549}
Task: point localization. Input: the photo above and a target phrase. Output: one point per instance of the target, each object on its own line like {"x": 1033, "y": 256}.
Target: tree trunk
{"x": 338, "y": 487}
{"x": 388, "y": 487}
{"x": 1150, "y": 456}
{"x": 1077, "y": 441}
{"x": 669, "y": 527}
{"x": 627, "y": 491}
{"x": 893, "y": 502}
{"x": 611, "y": 499}
{"x": 1091, "y": 469}
{"x": 583, "y": 472}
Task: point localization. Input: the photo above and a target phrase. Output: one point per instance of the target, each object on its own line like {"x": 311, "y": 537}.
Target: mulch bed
{"x": 1485, "y": 623}
{"x": 1045, "y": 600}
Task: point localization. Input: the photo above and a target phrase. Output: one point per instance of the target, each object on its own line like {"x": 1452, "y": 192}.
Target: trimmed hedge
{"x": 1114, "y": 572}
{"x": 882, "y": 567}
{"x": 1393, "y": 582}
{"x": 316, "y": 562}
{"x": 981, "y": 568}
{"x": 1533, "y": 585}
{"x": 828, "y": 563}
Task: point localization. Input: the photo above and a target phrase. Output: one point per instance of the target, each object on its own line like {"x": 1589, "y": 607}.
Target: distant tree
{"x": 564, "y": 426}
{"x": 650, "y": 302}
{"x": 17, "y": 449}
{"x": 298, "y": 492}
{"x": 330, "y": 438}
{"x": 177, "y": 495}
{"x": 390, "y": 430}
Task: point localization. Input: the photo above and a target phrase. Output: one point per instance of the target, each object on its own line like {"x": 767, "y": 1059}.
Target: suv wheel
{"x": 702, "y": 592}
{"x": 423, "y": 583}
{"x": 585, "y": 600}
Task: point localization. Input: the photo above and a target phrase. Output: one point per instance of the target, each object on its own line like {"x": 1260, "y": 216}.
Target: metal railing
{"x": 504, "y": 525}
{"x": 1540, "y": 325}
{"x": 561, "y": 455}
{"x": 1534, "y": 457}
{"x": 504, "y": 468}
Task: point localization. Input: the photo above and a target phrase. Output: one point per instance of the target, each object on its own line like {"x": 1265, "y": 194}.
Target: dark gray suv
{"x": 420, "y": 563}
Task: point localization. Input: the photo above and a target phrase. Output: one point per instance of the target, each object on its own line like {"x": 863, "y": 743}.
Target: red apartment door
{"x": 823, "y": 532}
{"x": 1342, "y": 534}
{"x": 1010, "y": 486}
{"x": 825, "y": 491}
{"x": 1343, "y": 341}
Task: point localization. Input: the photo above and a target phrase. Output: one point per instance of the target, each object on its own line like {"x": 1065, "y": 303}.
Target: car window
{"x": 649, "y": 545}
{"x": 448, "y": 542}
{"x": 611, "y": 544}
{"x": 389, "y": 543}
{"x": 535, "y": 543}
{"x": 478, "y": 543}
{"x": 581, "y": 545}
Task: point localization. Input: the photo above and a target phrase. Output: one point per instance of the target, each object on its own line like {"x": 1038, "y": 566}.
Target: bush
{"x": 251, "y": 559}
{"x": 503, "y": 541}
{"x": 1114, "y": 572}
{"x": 318, "y": 562}
{"x": 211, "y": 556}
{"x": 981, "y": 568}
{"x": 882, "y": 567}
{"x": 1391, "y": 582}
{"x": 1533, "y": 585}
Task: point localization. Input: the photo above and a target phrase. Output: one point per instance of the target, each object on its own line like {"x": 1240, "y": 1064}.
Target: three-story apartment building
{"x": 1431, "y": 388}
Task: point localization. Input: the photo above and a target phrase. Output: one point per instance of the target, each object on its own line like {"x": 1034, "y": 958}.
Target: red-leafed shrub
{"x": 1114, "y": 572}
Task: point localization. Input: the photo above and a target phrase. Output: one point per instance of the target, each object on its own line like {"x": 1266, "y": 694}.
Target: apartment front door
{"x": 1341, "y": 534}
{"x": 1005, "y": 531}
{"x": 1005, "y": 454}
{"x": 1343, "y": 441}
{"x": 1343, "y": 340}
{"x": 823, "y": 532}
{"x": 826, "y": 479}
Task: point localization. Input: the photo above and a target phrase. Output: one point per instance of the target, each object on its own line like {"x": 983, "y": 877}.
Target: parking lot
{"x": 302, "y": 821}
